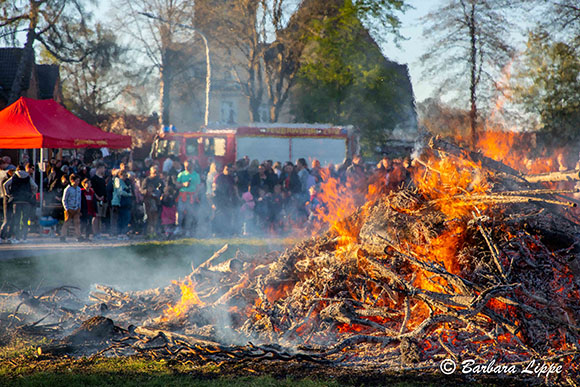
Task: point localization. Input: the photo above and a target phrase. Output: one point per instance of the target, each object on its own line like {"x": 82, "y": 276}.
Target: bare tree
{"x": 281, "y": 56}
{"x": 567, "y": 15}
{"x": 47, "y": 22}
{"x": 162, "y": 43}
{"x": 470, "y": 47}
{"x": 91, "y": 85}
{"x": 560, "y": 19}
{"x": 262, "y": 51}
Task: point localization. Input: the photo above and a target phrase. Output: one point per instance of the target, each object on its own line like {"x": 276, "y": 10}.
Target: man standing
{"x": 356, "y": 171}
{"x": 188, "y": 182}
{"x": 152, "y": 189}
{"x": 71, "y": 201}
{"x": 3, "y": 178}
{"x": 20, "y": 189}
{"x": 306, "y": 181}
{"x": 6, "y": 172}
{"x": 99, "y": 185}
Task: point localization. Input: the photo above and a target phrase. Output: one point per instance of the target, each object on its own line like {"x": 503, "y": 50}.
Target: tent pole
{"x": 41, "y": 167}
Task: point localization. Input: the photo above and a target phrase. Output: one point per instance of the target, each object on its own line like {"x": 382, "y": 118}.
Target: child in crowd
{"x": 315, "y": 206}
{"x": 247, "y": 212}
{"x": 88, "y": 208}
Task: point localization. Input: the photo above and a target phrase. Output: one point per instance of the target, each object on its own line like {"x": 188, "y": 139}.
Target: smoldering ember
{"x": 473, "y": 261}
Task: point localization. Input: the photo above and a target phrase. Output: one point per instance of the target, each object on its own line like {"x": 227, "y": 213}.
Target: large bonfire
{"x": 471, "y": 261}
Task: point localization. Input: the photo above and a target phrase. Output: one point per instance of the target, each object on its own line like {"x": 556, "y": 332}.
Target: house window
{"x": 228, "y": 75}
{"x": 228, "y": 112}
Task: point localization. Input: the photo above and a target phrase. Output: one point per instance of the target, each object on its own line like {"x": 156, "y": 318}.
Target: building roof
{"x": 9, "y": 61}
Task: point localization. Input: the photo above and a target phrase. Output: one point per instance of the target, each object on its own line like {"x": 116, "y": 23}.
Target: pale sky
{"x": 412, "y": 49}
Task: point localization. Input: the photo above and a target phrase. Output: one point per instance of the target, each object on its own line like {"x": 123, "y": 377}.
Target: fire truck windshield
{"x": 166, "y": 148}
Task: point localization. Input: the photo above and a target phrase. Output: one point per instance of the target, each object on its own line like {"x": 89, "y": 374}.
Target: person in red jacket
{"x": 88, "y": 208}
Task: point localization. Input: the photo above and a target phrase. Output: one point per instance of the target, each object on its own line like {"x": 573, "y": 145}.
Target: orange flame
{"x": 446, "y": 178}
{"x": 449, "y": 183}
{"x": 518, "y": 150}
{"x": 338, "y": 200}
{"x": 188, "y": 299}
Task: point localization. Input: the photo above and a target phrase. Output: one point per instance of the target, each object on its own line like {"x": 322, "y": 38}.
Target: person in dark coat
{"x": 291, "y": 189}
{"x": 20, "y": 189}
{"x": 99, "y": 184}
{"x": 152, "y": 190}
{"x": 260, "y": 181}
{"x": 5, "y": 229}
{"x": 225, "y": 202}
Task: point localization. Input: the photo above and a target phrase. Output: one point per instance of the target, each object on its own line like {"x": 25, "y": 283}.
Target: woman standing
{"x": 122, "y": 199}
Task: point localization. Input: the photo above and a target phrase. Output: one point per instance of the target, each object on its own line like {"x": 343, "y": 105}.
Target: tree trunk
{"x": 27, "y": 58}
{"x": 165, "y": 88}
{"x": 254, "y": 111}
{"x": 278, "y": 103}
{"x": 473, "y": 83}
{"x": 256, "y": 89}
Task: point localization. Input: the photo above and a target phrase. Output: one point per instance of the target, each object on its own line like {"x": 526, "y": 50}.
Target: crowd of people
{"x": 108, "y": 197}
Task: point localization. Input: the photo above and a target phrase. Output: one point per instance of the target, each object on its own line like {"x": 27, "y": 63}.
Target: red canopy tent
{"x": 32, "y": 124}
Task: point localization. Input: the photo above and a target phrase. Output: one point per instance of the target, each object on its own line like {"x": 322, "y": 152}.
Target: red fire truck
{"x": 277, "y": 142}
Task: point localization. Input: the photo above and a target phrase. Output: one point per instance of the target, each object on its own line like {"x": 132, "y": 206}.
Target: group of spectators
{"x": 124, "y": 197}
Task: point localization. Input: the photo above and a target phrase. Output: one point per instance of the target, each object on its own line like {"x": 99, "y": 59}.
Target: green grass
{"x": 133, "y": 372}
{"x": 139, "y": 372}
{"x": 146, "y": 380}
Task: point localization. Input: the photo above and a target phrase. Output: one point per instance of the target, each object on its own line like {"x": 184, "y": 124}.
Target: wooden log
{"x": 111, "y": 291}
{"x": 501, "y": 199}
{"x": 439, "y": 144}
{"x": 540, "y": 191}
{"x": 175, "y": 337}
{"x": 209, "y": 263}
{"x": 571, "y": 175}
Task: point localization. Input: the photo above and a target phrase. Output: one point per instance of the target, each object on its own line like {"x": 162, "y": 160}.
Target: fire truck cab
{"x": 277, "y": 142}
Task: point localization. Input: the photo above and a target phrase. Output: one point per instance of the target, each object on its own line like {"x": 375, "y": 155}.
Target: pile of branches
{"x": 484, "y": 268}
